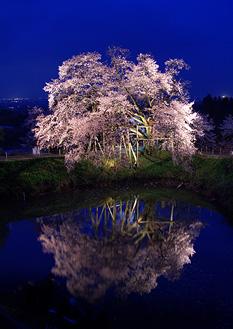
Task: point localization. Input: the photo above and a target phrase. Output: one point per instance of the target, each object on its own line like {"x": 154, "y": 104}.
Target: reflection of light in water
{"x": 132, "y": 216}
{"x": 132, "y": 255}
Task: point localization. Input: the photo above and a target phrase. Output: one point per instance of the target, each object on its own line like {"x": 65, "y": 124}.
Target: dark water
{"x": 135, "y": 259}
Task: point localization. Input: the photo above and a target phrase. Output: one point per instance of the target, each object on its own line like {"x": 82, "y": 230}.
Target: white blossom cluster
{"x": 93, "y": 103}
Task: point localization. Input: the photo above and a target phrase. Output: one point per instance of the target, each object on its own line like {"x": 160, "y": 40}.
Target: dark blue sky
{"x": 37, "y": 36}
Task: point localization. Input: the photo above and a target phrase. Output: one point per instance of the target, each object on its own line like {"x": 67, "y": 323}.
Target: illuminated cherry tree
{"x": 93, "y": 103}
{"x": 160, "y": 103}
{"x": 85, "y": 105}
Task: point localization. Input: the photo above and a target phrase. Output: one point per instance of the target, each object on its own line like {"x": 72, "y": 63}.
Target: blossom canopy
{"x": 93, "y": 104}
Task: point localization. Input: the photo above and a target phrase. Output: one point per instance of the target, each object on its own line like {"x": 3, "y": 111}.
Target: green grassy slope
{"x": 45, "y": 175}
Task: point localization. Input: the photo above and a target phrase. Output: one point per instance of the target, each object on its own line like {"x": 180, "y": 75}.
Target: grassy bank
{"x": 28, "y": 178}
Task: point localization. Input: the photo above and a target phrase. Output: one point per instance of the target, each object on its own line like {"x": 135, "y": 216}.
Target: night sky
{"x": 37, "y": 36}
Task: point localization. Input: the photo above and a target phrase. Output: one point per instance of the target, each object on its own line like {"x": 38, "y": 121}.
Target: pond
{"x": 117, "y": 259}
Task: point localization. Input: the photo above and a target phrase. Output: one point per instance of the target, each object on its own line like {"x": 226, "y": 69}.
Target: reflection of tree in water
{"x": 131, "y": 245}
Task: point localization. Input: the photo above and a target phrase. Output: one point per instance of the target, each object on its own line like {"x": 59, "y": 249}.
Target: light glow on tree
{"x": 92, "y": 104}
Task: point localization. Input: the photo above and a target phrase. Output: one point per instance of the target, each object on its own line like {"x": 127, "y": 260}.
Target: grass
{"x": 45, "y": 175}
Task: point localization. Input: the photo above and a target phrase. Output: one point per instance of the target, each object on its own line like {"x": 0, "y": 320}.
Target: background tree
{"x": 226, "y": 128}
{"x": 11, "y": 123}
{"x": 30, "y": 124}
{"x": 1, "y": 137}
{"x": 217, "y": 108}
{"x": 206, "y": 125}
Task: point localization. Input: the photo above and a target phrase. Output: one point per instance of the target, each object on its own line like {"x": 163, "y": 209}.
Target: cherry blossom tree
{"x": 204, "y": 126}
{"x": 227, "y": 131}
{"x": 85, "y": 105}
{"x": 30, "y": 124}
{"x": 160, "y": 102}
{"x": 93, "y": 103}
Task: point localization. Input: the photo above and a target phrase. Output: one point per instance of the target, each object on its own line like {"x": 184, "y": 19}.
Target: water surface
{"x": 126, "y": 259}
